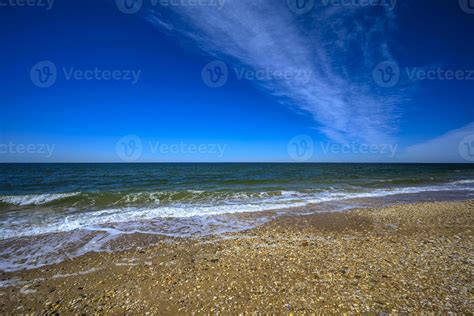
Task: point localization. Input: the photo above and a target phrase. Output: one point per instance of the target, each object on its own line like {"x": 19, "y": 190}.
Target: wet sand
{"x": 403, "y": 258}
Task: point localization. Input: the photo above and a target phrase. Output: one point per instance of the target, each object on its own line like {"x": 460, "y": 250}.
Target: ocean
{"x": 51, "y": 212}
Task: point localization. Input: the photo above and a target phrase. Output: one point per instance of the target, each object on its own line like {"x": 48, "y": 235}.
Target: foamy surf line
{"x": 34, "y": 224}
{"x": 35, "y": 199}
{"x": 42, "y": 199}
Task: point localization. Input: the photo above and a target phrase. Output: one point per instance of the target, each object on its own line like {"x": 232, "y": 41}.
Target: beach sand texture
{"x": 404, "y": 258}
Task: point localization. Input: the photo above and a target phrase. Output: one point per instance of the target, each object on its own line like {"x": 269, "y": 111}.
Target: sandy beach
{"x": 404, "y": 258}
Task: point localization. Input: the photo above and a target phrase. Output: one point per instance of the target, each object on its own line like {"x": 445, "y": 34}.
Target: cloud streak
{"x": 447, "y": 148}
{"x": 340, "y": 45}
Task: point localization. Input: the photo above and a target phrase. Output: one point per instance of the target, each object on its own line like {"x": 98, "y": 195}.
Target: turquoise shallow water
{"x": 62, "y": 205}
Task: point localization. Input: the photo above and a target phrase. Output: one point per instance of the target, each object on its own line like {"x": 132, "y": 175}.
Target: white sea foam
{"x": 32, "y": 225}
{"x": 35, "y": 199}
{"x": 463, "y": 182}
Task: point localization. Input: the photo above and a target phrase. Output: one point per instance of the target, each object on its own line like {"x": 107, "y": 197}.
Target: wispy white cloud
{"x": 340, "y": 45}
{"x": 447, "y": 148}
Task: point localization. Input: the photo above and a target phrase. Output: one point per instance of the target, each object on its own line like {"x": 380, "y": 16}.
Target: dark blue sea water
{"x": 46, "y": 207}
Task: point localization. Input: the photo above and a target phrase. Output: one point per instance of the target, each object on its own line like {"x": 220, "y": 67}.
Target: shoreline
{"x": 401, "y": 258}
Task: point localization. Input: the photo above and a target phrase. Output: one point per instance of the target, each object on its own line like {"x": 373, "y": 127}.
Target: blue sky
{"x": 293, "y": 86}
